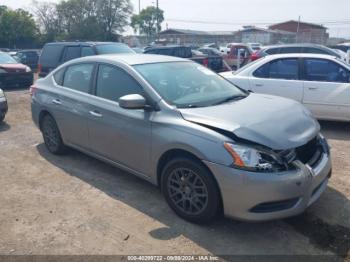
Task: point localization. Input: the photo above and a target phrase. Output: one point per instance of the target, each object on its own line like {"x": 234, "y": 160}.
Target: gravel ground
{"x": 74, "y": 204}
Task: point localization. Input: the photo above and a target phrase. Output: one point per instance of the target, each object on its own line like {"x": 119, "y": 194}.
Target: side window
{"x": 263, "y": 71}
{"x": 272, "y": 51}
{"x": 113, "y": 83}
{"x": 279, "y": 69}
{"x": 284, "y": 69}
{"x": 314, "y": 50}
{"x": 290, "y": 49}
{"x": 325, "y": 71}
{"x": 78, "y": 77}
{"x": 87, "y": 51}
{"x": 71, "y": 53}
{"x": 58, "y": 76}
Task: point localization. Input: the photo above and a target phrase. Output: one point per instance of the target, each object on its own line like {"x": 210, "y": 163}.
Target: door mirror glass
{"x": 134, "y": 101}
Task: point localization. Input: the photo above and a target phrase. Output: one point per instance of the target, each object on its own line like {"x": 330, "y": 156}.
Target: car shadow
{"x": 218, "y": 237}
{"x": 4, "y": 126}
{"x": 335, "y": 130}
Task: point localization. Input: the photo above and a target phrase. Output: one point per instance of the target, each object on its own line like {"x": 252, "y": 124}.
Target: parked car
{"x": 138, "y": 50}
{"x": 213, "y": 62}
{"x": 215, "y": 59}
{"x": 320, "y": 82}
{"x": 3, "y": 105}
{"x": 294, "y": 48}
{"x": 29, "y": 58}
{"x": 255, "y": 46}
{"x": 13, "y": 73}
{"x": 244, "y": 52}
{"x": 54, "y": 54}
{"x": 209, "y": 145}
{"x": 211, "y": 45}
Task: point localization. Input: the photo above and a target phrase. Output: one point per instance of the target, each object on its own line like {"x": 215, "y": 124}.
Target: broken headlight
{"x": 252, "y": 159}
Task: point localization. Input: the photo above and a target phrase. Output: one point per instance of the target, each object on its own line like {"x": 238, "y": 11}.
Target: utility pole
{"x": 139, "y": 6}
{"x": 157, "y": 6}
{"x": 297, "y": 36}
{"x": 157, "y": 10}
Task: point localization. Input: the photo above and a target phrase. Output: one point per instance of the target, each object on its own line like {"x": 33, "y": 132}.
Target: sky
{"x": 231, "y": 15}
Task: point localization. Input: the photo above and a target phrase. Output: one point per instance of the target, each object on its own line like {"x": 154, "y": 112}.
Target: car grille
{"x": 310, "y": 153}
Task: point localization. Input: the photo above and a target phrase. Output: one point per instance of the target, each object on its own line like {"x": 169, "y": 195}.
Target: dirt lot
{"x": 77, "y": 205}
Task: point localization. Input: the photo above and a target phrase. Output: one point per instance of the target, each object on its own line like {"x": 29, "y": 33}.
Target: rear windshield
{"x": 114, "y": 49}
{"x": 7, "y": 59}
{"x": 51, "y": 55}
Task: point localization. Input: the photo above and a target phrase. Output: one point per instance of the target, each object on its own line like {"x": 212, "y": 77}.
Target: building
{"x": 305, "y": 32}
{"x": 252, "y": 34}
{"x": 192, "y": 37}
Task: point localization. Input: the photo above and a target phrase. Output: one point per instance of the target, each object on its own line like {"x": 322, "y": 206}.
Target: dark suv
{"x": 55, "y": 54}
{"x": 213, "y": 62}
{"x": 294, "y": 48}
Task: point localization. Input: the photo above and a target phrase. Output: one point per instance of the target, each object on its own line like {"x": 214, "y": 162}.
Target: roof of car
{"x": 306, "y": 55}
{"x": 293, "y": 45}
{"x": 132, "y": 59}
{"x": 82, "y": 43}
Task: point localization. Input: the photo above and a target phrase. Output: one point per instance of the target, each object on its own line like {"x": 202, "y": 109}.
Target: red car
{"x": 13, "y": 73}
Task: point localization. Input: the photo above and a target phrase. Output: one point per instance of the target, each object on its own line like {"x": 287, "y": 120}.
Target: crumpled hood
{"x": 272, "y": 121}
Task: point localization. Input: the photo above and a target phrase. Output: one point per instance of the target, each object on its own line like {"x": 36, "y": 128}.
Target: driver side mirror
{"x": 134, "y": 101}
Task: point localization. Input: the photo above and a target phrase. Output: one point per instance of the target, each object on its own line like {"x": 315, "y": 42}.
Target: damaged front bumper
{"x": 258, "y": 196}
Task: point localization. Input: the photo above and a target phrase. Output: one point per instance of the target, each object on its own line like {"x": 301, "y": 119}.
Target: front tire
{"x": 52, "y": 136}
{"x": 190, "y": 190}
{"x": 2, "y": 117}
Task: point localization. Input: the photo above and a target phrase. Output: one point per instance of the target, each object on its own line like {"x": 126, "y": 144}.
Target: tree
{"x": 94, "y": 19}
{"x": 16, "y": 26}
{"x": 113, "y": 16}
{"x": 48, "y": 20}
{"x": 146, "y": 21}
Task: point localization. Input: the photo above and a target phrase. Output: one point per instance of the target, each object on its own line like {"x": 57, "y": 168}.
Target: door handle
{"x": 312, "y": 88}
{"x": 57, "y": 102}
{"x": 95, "y": 113}
{"x": 259, "y": 85}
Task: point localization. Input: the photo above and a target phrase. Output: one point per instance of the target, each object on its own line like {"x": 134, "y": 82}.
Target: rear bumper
{"x": 259, "y": 197}
{"x": 16, "y": 79}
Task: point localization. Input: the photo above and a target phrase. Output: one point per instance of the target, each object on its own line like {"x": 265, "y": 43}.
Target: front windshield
{"x": 7, "y": 59}
{"x": 187, "y": 84}
{"x": 113, "y": 49}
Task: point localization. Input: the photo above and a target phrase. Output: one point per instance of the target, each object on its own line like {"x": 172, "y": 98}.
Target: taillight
{"x": 39, "y": 68}
{"x": 255, "y": 56}
{"x": 32, "y": 89}
{"x": 206, "y": 62}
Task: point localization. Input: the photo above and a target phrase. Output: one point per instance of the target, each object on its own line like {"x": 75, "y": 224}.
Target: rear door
{"x": 121, "y": 135}
{"x": 71, "y": 52}
{"x": 278, "y": 77}
{"x": 50, "y": 58}
{"x": 327, "y": 88}
{"x": 70, "y": 104}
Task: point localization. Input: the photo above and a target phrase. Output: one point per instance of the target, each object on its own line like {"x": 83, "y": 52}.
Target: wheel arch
{"x": 177, "y": 152}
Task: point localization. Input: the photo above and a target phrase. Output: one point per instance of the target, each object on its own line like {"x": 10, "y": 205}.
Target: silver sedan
{"x": 208, "y": 145}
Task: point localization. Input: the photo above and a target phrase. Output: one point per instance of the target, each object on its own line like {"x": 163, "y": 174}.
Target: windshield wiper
{"x": 230, "y": 98}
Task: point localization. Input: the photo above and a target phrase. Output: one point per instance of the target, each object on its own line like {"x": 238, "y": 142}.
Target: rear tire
{"x": 190, "y": 190}
{"x": 2, "y": 117}
{"x": 52, "y": 136}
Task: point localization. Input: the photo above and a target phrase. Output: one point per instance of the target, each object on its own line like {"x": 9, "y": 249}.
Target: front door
{"x": 279, "y": 77}
{"x": 327, "y": 89}
{"x": 120, "y": 135}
